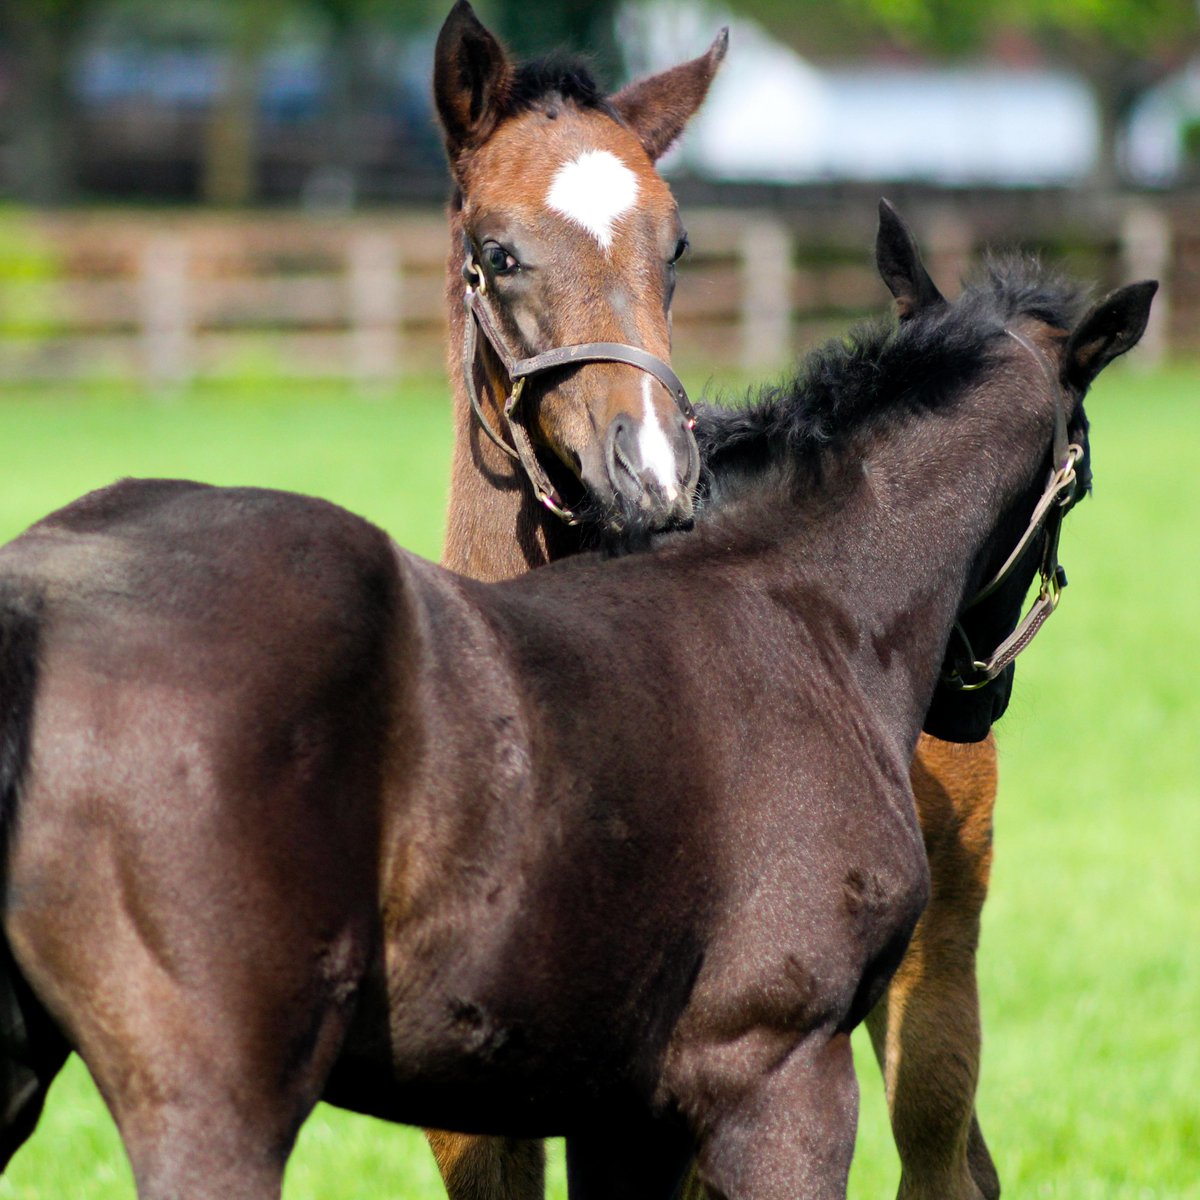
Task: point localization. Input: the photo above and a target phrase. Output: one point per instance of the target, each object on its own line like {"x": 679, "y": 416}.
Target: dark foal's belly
{"x": 501, "y": 1078}
{"x": 530, "y": 1042}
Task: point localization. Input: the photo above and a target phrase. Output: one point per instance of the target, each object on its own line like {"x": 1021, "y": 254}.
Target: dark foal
{"x": 616, "y": 849}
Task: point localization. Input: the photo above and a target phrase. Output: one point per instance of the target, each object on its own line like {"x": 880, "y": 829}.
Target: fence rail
{"x": 170, "y": 298}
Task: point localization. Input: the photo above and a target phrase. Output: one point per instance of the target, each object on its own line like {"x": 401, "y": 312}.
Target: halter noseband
{"x": 480, "y": 316}
{"x": 1046, "y": 520}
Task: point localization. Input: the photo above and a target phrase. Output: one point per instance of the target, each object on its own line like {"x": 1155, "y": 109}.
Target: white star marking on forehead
{"x": 594, "y": 191}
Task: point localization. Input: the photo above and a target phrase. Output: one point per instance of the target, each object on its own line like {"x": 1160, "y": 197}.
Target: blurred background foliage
{"x": 229, "y": 77}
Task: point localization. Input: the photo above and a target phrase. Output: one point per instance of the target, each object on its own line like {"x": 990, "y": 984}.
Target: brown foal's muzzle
{"x": 480, "y": 317}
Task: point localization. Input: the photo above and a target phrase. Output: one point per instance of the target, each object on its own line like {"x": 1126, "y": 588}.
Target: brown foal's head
{"x": 576, "y": 236}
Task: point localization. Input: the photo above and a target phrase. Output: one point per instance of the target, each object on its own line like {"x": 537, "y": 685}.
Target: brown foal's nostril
{"x": 651, "y": 468}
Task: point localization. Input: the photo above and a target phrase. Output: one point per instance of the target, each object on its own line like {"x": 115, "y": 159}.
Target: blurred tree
{"x": 41, "y": 38}
{"x": 1121, "y": 47}
{"x": 253, "y": 26}
{"x": 228, "y": 176}
{"x": 353, "y": 26}
{"x": 585, "y": 27}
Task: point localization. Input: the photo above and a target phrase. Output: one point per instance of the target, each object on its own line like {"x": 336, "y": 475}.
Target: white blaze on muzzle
{"x": 657, "y": 456}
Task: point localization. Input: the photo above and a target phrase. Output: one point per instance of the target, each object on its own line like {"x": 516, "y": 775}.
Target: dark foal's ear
{"x": 658, "y": 108}
{"x": 899, "y": 263}
{"x": 471, "y": 75}
{"x": 1111, "y": 327}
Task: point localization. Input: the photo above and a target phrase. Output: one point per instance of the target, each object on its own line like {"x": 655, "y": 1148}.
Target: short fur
{"x": 19, "y": 631}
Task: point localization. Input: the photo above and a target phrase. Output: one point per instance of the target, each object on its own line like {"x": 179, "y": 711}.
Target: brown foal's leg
{"x": 489, "y": 1168}
{"x": 926, "y": 1028}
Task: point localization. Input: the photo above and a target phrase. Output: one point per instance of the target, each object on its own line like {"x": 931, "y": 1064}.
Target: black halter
{"x": 479, "y": 315}
{"x": 1046, "y": 522}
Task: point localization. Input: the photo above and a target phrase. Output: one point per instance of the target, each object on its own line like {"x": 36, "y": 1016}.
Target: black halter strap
{"x": 1046, "y": 522}
{"x": 479, "y": 317}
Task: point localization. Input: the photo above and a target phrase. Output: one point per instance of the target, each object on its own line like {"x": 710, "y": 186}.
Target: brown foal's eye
{"x": 681, "y": 248}
{"x": 498, "y": 259}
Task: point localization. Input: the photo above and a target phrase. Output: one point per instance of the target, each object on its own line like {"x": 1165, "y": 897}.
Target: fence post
{"x": 767, "y": 274}
{"x": 165, "y": 309}
{"x": 1146, "y": 254}
{"x": 375, "y": 293}
{"x": 946, "y": 248}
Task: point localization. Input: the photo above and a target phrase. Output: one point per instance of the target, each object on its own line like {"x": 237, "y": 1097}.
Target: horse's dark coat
{"x": 304, "y": 814}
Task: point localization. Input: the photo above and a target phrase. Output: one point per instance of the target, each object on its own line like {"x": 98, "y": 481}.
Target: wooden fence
{"x": 165, "y": 299}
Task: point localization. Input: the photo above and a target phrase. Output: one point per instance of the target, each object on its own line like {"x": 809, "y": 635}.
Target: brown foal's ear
{"x": 899, "y": 263}
{"x": 1113, "y": 326}
{"x": 471, "y": 75}
{"x": 657, "y": 108}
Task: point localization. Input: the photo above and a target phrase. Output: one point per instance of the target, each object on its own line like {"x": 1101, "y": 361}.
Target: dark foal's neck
{"x": 874, "y": 542}
{"x": 495, "y": 527}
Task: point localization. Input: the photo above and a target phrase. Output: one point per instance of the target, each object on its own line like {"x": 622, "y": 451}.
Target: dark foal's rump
{"x": 615, "y": 847}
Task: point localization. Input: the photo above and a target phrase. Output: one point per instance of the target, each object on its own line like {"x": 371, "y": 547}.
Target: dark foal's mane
{"x": 880, "y": 370}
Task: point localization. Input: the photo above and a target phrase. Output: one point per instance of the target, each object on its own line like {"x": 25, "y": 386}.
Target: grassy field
{"x": 1091, "y": 949}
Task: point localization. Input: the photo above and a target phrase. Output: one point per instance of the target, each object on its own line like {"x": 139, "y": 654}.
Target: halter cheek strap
{"x": 481, "y": 318}
{"x": 1045, "y": 521}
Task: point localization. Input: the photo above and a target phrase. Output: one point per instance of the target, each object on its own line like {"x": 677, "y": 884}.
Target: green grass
{"x": 1090, "y": 963}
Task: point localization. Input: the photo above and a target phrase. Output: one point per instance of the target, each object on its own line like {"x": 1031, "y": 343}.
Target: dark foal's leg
{"x": 207, "y": 1079}
{"x": 926, "y": 1029}
{"x": 205, "y": 981}
{"x": 208, "y": 1073}
{"x": 475, "y": 1167}
{"x": 789, "y": 1134}
{"x": 633, "y": 1160}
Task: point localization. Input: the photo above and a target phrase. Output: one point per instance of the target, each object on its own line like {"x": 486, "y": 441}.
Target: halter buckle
{"x": 550, "y": 502}
{"x": 514, "y": 397}
{"x": 1065, "y": 477}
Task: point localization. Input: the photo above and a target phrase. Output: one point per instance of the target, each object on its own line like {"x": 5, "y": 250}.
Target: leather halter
{"x": 1046, "y": 522}
{"x": 479, "y": 316}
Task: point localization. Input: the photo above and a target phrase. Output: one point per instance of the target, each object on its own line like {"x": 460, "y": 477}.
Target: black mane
{"x": 555, "y": 76}
{"x": 882, "y": 367}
